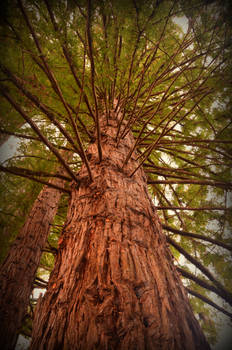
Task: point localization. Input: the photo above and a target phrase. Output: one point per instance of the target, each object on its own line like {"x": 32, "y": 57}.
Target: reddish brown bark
{"x": 114, "y": 285}
{"x": 18, "y": 270}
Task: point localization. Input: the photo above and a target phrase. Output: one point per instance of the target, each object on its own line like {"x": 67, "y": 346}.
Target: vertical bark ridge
{"x": 114, "y": 285}
{"x": 18, "y": 270}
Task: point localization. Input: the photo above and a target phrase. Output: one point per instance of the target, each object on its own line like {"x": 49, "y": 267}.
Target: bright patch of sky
{"x": 8, "y": 149}
{"x": 22, "y": 343}
{"x": 182, "y": 22}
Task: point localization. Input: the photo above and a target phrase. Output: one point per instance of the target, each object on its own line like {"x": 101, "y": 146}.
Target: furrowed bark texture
{"x": 114, "y": 285}
{"x": 18, "y": 270}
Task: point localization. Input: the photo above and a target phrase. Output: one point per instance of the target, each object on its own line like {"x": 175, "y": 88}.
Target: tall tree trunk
{"x": 114, "y": 285}
{"x": 18, "y": 270}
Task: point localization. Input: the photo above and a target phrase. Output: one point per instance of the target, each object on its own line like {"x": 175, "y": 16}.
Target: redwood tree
{"x": 18, "y": 270}
{"x": 144, "y": 106}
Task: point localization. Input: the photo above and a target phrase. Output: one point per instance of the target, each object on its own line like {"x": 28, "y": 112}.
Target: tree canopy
{"x": 65, "y": 62}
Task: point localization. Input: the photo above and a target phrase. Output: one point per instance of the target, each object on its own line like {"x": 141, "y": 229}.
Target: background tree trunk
{"x": 114, "y": 285}
{"x": 18, "y": 270}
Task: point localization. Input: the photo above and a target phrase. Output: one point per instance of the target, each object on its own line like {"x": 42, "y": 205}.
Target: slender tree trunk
{"x": 114, "y": 285}
{"x": 18, "y": 270}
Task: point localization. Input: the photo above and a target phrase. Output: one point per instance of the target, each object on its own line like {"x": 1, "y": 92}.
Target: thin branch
{"x": 208, "y": 301}
{"x": 55, "y": 86}
{"x": 23, "y": 136}
{"x": 199, "y": 281}
{"x": 227, "y": 296}
{"x": 188, "y": 161}
{"x": 144, "y": 70}
{"x": 150, "y": 164}
{"x": 90, "y": 46}
{"x": 14, "y": 172}
{"x": 200, "y": 147}
{"x": 169, "y": 203}
{"x": 148, "y": 151}
{"x": 37, "y": 130}
{"x": 41, "y": 280}
{"x": 69, "y": 60}
{"x": 29, "y": 156}
{"x": 25, "y": 171}
{"x": 34, "y": 99}
{"x": 115, "y": 61}
{"x": 50, "y": 250}
{"x": 190, "y": 208}
{"x": 171, "y": 115}
{"x": 189, "y": 141}
{"x": 80, "y": 9}
{"x": 192, "y": 182}
{"x": 149, "y": 171}
{"x": 128, "y": 82}
{"x": 38, "y": 285}
{"x": 195, "y": 235}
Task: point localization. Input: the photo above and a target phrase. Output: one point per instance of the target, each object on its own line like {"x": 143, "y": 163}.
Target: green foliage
{"x": 174, "y": 89}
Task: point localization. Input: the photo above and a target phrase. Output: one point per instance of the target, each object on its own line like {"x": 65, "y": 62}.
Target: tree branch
{"x": 56, "y": 87}
{"x": 36, "y": 129}
{"x": 148, "y": 151}
{"x": 208, "y": 301}
{"x": 23, "y": 136}
{"x": 89, "y": 37}
{"x": 34, "y": 99}
{"x": 194, "y": 235}
{"x": 227, "y": 296}
{"x": 25, "y": 171}
{"x": 14, "y": 172}
{"x": 192, "y": 181}
{"x": 68, "y": 58}
{"x": 199, "y": 281}
{"x": 190, "y": 208}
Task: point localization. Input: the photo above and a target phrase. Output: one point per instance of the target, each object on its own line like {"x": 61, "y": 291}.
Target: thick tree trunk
{"x": 18, "y": 270}
{"x": 114, "y": 285}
